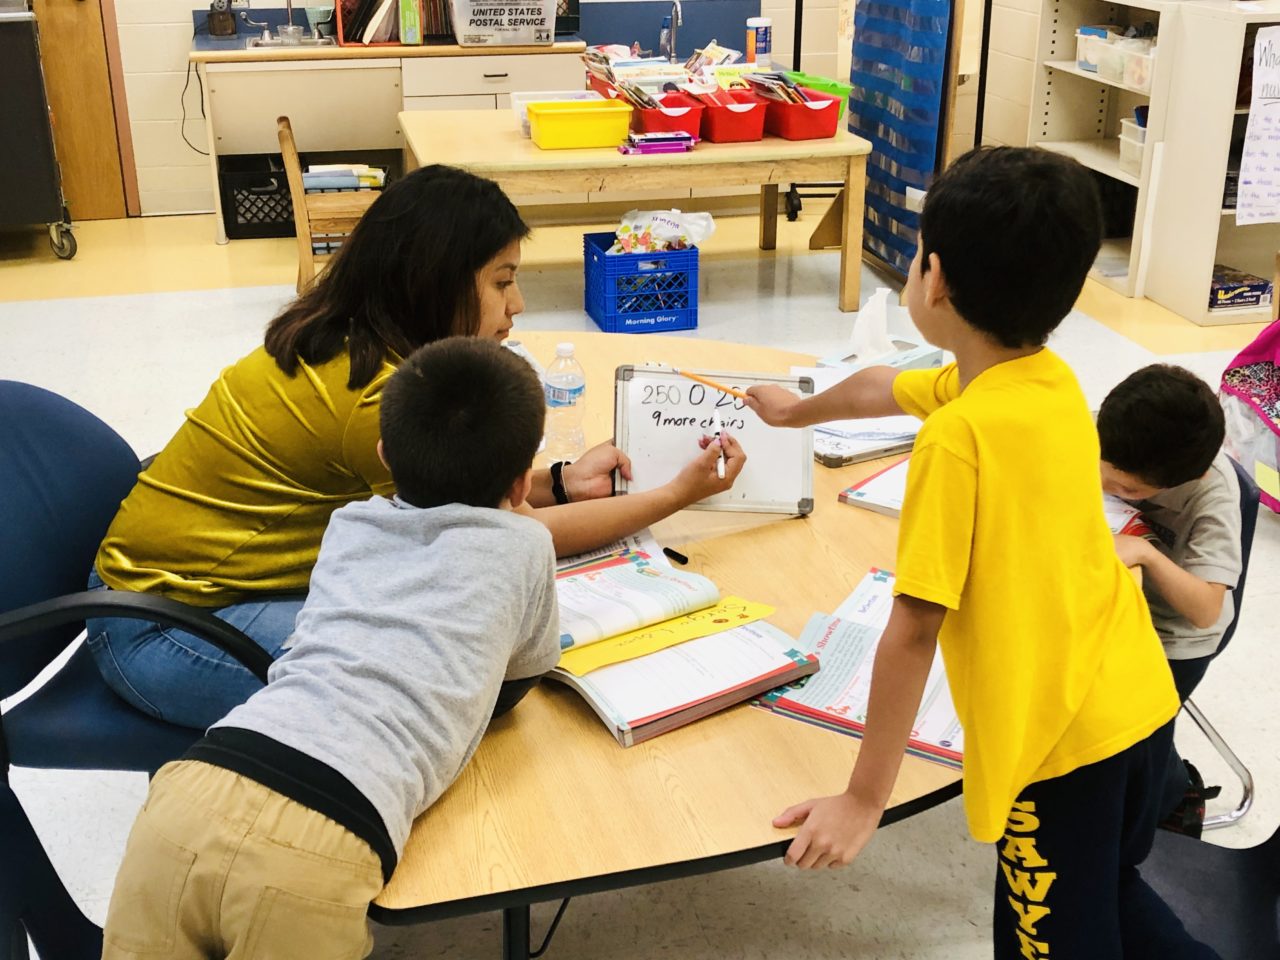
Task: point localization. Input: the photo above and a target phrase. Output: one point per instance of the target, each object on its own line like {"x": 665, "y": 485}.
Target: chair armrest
{"x": 139, "y": 606}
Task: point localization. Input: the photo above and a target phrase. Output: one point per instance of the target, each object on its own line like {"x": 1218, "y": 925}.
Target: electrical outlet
{"x": 239, "y": 4}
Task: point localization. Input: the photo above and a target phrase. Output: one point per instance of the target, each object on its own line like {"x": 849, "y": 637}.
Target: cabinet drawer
{"x": 478, "y": 101}
{"x": 452, "y": 76}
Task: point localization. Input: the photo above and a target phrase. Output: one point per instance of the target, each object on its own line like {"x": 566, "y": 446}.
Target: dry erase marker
{"x": 719, "y": 430}
{"x": 711, "y": 383}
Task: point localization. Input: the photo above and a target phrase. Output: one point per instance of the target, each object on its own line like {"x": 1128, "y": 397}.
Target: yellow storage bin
{"x": 587, "y": 123}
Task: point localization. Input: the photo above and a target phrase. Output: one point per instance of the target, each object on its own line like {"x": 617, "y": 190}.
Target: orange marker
{"x": 711, "y": 383}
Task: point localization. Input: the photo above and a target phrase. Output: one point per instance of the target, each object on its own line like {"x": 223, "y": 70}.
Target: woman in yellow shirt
{"x": 231, "y": 513}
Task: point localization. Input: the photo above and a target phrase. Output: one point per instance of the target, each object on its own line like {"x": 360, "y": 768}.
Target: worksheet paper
{"x": 1258, "y": 199}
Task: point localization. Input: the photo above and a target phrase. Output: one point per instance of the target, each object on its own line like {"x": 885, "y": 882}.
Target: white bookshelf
{"x": 1180, "y": 227}
{"x": 1077, "y": 112}
{"x": 1191, "y": 230}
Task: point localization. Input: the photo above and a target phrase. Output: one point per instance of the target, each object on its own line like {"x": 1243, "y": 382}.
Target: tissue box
{"x": 910, "y": 356}
{"x": 909, "y": 353}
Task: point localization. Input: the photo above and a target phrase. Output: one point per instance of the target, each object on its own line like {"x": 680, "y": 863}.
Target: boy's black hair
{"x": 461, "y": 421}
{"x": 1017, "y": 230}
{"x": 1162, "y": 424}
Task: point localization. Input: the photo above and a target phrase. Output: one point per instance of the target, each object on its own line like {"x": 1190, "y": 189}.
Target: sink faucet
{"x": 677, "y": 20}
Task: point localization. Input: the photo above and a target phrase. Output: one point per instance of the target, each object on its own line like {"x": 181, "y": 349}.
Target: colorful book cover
{"x": 411, "y": 22}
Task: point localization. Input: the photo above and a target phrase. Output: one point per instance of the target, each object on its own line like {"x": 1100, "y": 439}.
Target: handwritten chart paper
{"x": 1259, "y": 197}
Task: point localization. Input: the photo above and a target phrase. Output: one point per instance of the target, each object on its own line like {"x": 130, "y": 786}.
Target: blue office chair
{"x": 63, "y": 474}
{"x": 1248, "y": 523}
{"x": 1227, "y": 899}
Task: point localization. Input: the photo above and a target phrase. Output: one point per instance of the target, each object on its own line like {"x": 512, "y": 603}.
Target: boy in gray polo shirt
{"x": 273, "y": 834}
{"x": 1161, "y": 433}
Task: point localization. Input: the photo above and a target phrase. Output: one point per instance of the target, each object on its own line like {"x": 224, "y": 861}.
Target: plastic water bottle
{"x": 565, "y": 386}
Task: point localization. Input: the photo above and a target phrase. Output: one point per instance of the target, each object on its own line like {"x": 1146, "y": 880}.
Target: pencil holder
{"x": 639, "y": 292}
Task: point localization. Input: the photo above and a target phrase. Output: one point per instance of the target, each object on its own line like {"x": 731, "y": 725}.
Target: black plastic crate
{"x": 255, "y": 197}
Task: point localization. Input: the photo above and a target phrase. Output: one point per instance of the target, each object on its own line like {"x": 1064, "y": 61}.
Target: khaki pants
{"x": 220, "y": 866}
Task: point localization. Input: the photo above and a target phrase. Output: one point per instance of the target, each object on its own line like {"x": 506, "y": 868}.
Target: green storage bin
{"x": 833, "y": 87}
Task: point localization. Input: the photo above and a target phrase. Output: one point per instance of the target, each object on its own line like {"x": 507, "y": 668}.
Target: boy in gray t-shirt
{"x": 425, "y": 612}
{"x": 1161, "y": 433}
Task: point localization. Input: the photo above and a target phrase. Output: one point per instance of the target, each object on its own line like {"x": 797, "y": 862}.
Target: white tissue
{"x": 870, "y": 337}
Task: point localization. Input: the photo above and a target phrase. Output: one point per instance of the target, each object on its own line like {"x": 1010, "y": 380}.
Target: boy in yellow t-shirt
{"x": 1005, "y": 559}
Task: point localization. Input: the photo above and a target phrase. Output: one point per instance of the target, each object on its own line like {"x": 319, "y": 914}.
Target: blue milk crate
{"x": 639, "y": 292}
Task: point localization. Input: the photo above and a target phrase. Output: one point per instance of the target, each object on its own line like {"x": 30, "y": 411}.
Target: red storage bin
{"x": 804, "y": 121}
{"x": 602, "y": 87}
{"x": 679, "y": 112}
{"x": 739, "y": 123}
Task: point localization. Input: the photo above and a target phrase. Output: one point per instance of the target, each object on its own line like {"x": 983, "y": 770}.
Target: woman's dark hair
{"x": 405, "y": 277}
{"x": 1162, "y": 424}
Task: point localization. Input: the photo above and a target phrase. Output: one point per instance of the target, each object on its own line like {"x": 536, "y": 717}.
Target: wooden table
{"x": 474, "y": 140}
{"x": 552, "y": 807}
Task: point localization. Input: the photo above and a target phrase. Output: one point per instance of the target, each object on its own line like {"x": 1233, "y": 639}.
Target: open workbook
{"x": 837, "y": 697}
{"x": 651, "y": 648}
{"x": 641, "y": 698}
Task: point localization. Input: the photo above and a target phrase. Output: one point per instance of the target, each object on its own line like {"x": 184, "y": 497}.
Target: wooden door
{"x": 73, "y": 49}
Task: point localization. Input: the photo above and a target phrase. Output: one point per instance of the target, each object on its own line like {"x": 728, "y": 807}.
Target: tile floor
{"x": 920, "y": 891}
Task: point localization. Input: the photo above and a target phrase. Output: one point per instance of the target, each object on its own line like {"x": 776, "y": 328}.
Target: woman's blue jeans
{"x": 177, "y": 677}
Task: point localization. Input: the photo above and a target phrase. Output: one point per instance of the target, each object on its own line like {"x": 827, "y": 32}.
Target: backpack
{"x": 1250, "y": 396}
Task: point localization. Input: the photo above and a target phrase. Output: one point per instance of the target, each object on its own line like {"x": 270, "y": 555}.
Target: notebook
{"x": 642, "y": 698}
{"x": 882, "y": 492}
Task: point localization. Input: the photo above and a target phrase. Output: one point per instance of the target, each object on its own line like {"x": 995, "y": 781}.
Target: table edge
{"x": 485, "y": 903}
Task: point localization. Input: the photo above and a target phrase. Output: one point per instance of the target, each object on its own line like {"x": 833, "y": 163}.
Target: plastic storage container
{"x": 480, "y": 23}
{"x": 814, "y": 120}
{"x": 759, "y": 41}
{"x": 1088, "y": 40}
{"x": 1110, "y": 62}
{"x": 1138, "y": 67}
{"x": 1131, "y": 131}
{"x": 589, "y": 123}
{"x": 1131, "y": 152}
{"x": 738, "y": 123}
{"x": 824, "y": 85}
{"x": 679, "y": 112}
{"x": 256, "y": 202}
{"x": 639, "y": 292}
{"x": 520, "y": 102}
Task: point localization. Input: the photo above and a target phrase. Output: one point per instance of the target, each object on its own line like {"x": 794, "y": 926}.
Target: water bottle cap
{"x": 564, "y": 349}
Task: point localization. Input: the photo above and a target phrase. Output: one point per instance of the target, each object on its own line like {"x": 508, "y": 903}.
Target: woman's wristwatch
{"x": 557, "y": 481}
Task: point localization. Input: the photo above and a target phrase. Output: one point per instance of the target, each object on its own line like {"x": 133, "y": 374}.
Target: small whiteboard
{"x": 659, "y": 417}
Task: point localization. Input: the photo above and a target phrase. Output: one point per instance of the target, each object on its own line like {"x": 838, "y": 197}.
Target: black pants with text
{"x": 1067, "y": 884}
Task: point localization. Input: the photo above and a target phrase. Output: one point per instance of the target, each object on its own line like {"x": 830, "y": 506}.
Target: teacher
{"x": 229, "y": 516}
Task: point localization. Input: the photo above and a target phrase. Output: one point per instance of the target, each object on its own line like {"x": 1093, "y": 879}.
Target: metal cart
{"x": 30, "y": 182}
